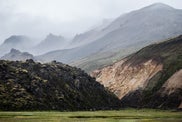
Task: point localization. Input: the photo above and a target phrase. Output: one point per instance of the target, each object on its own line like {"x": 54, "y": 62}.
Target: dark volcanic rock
{"x": 54, "y": 86}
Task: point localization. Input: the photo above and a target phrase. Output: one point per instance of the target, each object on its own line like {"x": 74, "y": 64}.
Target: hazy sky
{"x": 37, "y": 18}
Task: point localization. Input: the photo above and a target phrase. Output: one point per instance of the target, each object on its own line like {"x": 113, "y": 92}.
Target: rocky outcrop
{"x": 52, "y": 86}
{"x": 152, "y": 77}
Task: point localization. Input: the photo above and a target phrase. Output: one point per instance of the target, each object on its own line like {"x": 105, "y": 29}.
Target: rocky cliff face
{"x": 152, "y": 77}
{"x": 52, "y": 86}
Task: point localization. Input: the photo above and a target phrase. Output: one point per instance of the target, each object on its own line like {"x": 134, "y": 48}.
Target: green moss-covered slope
{"x": 54, "y": 86}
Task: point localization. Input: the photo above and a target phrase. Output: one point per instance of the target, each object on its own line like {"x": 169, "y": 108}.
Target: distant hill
{"x": 90, "y": 35}
{"x": 16, "y": 55}
{"x": 123, "y": 36}
{"x": 52, "y": 86}
{"x": 19, "y": 42}
{"x": 50, "y": 43}
{"x": 151, "y": 77}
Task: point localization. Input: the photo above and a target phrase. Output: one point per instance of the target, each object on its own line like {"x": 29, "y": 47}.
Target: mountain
{"x": 125, "y": 35}
{"x": 150, "y": 77}
{"x": 16, "y": 55}
{"x": 19, "y": 42}
{"x": 50, "y": 43}
{"x": 52, "y": 86}
{"x": 91, "y": 35}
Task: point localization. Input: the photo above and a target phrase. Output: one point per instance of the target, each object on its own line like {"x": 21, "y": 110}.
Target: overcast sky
{"x": 37, "y": 18}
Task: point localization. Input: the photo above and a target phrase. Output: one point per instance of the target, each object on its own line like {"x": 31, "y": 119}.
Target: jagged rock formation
{"x": 16, "y": 55}
{"x": 152, "y": 77}
{"x": 52, "y": 86}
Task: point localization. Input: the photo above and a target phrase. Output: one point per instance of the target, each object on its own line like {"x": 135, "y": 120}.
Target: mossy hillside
{"x": 52, "y": 86}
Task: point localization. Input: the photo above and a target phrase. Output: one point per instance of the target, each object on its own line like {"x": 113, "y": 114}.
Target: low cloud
{"x": 37, "y": 18}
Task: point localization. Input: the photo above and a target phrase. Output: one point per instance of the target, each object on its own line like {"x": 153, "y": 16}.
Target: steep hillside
{"x": 150, "y": 77}
{"x": 52, "y": 86}
{"x": 99, "y": 60}
{"x": 126, "y": 34}
{"x": 16, "y": 55}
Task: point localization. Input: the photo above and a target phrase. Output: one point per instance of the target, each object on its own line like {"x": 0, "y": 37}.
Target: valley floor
{"x": 127, "y": 115}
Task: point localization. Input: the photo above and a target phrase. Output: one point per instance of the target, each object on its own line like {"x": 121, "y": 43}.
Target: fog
{"x": 37, "y": 18}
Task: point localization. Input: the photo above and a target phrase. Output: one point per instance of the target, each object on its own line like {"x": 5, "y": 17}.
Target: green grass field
{"x": 129, "y": 115}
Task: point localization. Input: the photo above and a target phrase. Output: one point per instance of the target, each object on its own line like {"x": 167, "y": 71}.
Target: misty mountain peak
{"x": 50, "y": 43}
{"x": 159, "y": 6}
{"x": 14, "y": 51}
{"x": 52, "y": 36}
{"x": 14, "y": 39}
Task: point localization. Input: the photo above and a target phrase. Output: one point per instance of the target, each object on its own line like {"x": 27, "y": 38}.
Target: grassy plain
{"x": 127, "y": 115}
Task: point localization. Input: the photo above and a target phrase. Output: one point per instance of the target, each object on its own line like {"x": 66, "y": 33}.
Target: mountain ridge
{"x": 151, "y": 28}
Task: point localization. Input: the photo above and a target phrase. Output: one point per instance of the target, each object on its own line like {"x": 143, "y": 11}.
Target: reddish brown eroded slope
{"x": 122, "y": 78}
